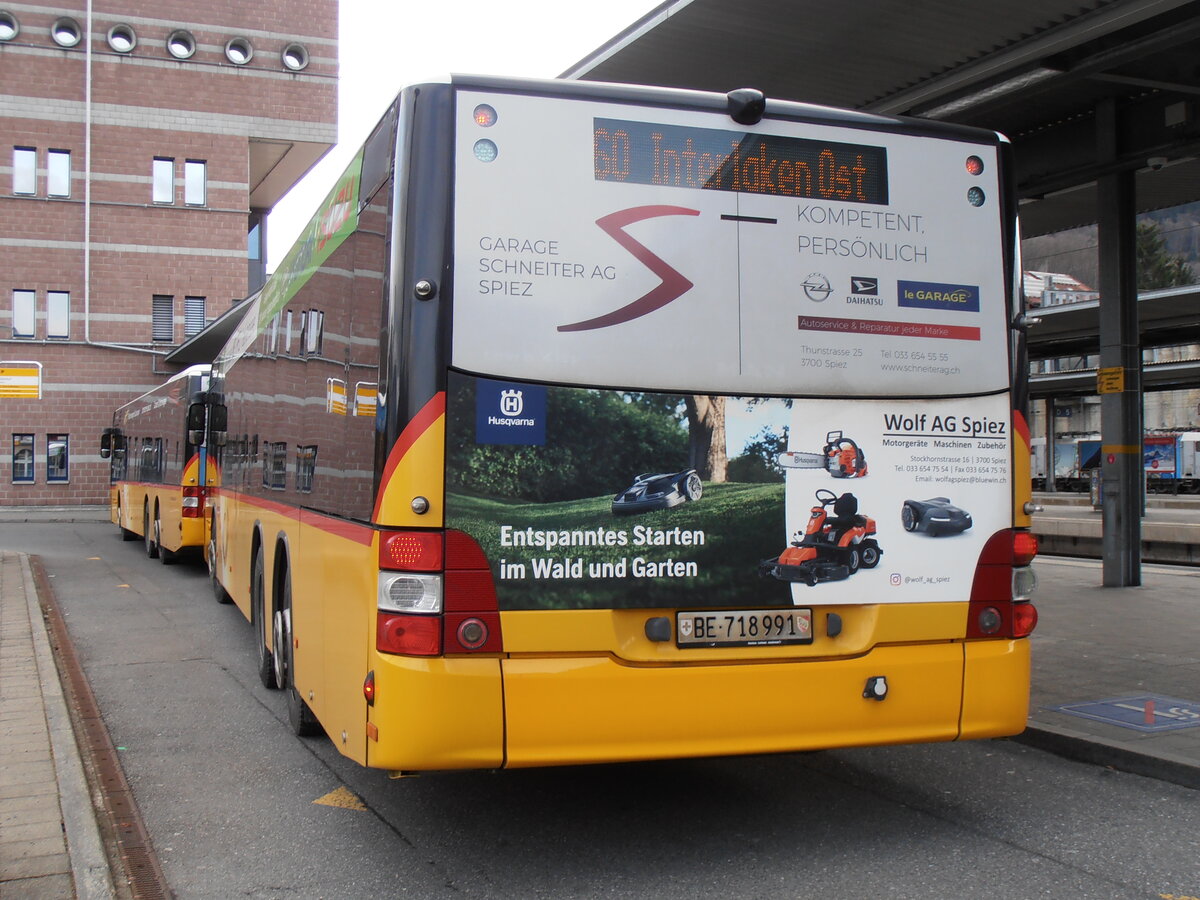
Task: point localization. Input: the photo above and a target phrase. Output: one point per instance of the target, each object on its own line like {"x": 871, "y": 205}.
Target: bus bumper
{"x": 438, "y": 713}
{"x": 584, "y": 710}
{"x": 469, "y": 713}
{"x": 995, "y": 688}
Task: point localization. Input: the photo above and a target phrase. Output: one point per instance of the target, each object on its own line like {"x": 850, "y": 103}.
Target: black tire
{"x": 300, "y": 718}
{"x": 148, "y": 533}
{"x": 870, "y": 554}
{"x": 126, "y": 534}
{"x": 165, "y": 556}
{"x": 853, "y": 559}
{"x": 218, "y": 589}
{"x": 258, "y": 618}
{"x": 909, "y": 517}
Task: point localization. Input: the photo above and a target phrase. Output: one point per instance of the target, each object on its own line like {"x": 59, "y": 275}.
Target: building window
{"x": 9, "y": 26}
{"x": 122, "y": 38}
{"x": 163, "y": 318}
{"x": 164, "y": 180}
{"x": 181, "y": 44}
{"x": 254, "y": 241}
{"x": 58, "y": 458}
{"x": 294, "y": 57}
{"x": 58, "y": 173}
{"x": 22, "y": 459}
{"x": 273, "y": 335}
{"x": 306, "y": 467}
{"x": 312, "y": 331}
{"x": 58, "y": 314}
{"x": 24, "y": 314}
{"x": 24, "y": 170}
{"x": 274, "y": 465}
{"x": 193, "y": 315}
{"x": 66, "y": 32}
{"x": 194, "y": 176}
{"x": 239, "y": 51}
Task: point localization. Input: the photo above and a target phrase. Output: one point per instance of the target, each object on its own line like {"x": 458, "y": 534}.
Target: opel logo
{"x": 816, "y": 287}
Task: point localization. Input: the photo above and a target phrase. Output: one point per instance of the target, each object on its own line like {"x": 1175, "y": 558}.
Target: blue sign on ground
{"x": 1146, "y": 712}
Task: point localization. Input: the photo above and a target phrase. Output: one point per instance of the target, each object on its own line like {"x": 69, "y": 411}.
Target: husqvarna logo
{"x": 506, "y": 413}
{"x": 512, "y": 403}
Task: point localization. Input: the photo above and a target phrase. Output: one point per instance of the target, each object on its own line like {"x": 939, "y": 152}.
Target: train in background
{"x": 1170, "y": 460}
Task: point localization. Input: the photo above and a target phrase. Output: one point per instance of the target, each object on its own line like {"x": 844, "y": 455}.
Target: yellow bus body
{"x": 334, "y": 436}
{"x": 136, "y": 504}
{"x": 607, "y": 693}
{"x": 587, "y": 707}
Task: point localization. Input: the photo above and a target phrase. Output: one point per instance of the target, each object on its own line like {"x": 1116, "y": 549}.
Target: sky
{"x": 386, "y": 44}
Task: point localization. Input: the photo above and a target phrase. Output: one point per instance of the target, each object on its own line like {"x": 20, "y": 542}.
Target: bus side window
{"x": 377, "y": 158}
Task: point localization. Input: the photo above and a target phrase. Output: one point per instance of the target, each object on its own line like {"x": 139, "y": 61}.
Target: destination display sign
{"x": 710, "y": 159}
{"x": 791, "y": 258}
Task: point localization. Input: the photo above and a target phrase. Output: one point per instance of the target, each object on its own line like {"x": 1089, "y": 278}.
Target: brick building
{"x": 141, "y": 147}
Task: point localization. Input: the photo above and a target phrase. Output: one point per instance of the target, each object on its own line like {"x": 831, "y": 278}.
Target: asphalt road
{"x": 231, "y": 798}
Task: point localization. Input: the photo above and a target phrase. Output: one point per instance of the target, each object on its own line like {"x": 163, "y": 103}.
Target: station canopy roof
{"x": 1036, "y": 70}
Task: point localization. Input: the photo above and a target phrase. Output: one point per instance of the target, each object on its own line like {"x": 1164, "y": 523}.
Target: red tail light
{"x": 1025, "y": 617}
{"x": 193, "y": 502}
{"x": 453, "y": 607}
{"x": 1025, "y": 547}
{"x": 999, "y": 606}
{"x": 472, "y": 611}
{"x": 408, "y": 634}
{"x": 411, "y": 551}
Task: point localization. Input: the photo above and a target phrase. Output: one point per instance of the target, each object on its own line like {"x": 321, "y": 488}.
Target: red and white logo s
{"x": 673, "y": 284}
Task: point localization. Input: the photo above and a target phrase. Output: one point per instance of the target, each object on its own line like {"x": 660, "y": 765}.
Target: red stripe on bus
{"x": 360, "y": 534}
{"x": 352, "y": 531}
{"x": 1021, "y": 427}
{"x": 286, "y": 510}
{"x": 416, "y": 428}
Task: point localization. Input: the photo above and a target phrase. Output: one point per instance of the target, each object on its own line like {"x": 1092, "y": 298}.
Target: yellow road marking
{"x": 342, "y": 799}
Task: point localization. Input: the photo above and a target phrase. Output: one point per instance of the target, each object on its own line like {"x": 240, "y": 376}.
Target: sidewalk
{"x": 50, "y": 844}
{"x": 1136, "y": 646}
{"x": 1130, "y": 645}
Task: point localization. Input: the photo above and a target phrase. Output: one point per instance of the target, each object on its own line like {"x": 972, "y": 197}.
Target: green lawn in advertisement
{"x": 573, "y": 519}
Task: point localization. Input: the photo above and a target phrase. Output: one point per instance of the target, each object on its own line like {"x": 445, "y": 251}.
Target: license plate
{"x": 743, "y": 628}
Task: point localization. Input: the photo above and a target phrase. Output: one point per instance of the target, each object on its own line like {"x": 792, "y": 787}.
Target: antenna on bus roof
{"x": 746, "y": 106}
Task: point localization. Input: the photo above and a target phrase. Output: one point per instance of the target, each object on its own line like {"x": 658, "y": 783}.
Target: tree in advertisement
{"x": 706, "y": 437}
{"x": 549, "y": 513}
{"x": 600, "y": 440}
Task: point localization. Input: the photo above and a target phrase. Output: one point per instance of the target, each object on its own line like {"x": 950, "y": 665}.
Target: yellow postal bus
{"x": 591, "y": 422}
{"x": 158, "y": 468}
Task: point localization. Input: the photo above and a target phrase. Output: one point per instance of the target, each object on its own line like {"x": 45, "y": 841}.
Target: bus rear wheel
{"x": 266, "y": 661}
{"x": 300, "y": 718}
{"x": 126, "y": 534}
{"x": 219, "y": 591}
{"x": 165, "y": 556}
{"x": 148, "y": 533}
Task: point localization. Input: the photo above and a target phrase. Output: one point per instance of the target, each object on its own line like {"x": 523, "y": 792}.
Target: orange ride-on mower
{"x": 833, "y": 546}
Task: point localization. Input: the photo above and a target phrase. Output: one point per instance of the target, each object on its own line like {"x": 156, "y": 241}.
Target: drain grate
{"x": 125, "y": 833}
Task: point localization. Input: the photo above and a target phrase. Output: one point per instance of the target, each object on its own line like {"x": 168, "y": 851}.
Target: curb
{"x": 1089, "y": 748}
{"x": 53, "y": 515}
